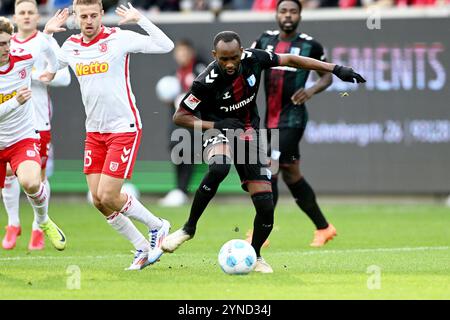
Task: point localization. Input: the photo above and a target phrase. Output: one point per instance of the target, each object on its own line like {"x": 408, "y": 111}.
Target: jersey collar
{"x": 11, "y": 65}
{"x": 13, "y": 60}
{"x": 295, "y": 36}
{"x": 226, "y": 76}
{"x": 101, "y": 35}
{"x": 15, "y": 39}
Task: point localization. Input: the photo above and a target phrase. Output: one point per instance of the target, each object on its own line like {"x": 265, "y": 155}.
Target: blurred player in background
{"x": 26, "y": 18}
{"x": 19, "y": 140}
{"x": 99, "y": 57}
{"x": 189, "y": 67}
{"x": 223, "y": 98}
{"x": 285, "y": 101}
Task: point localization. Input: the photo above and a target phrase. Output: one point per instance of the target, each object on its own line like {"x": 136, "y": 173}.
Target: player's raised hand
{"x": 46, "y": 77}
{"x": 55, "y": 23}
{"x": 347, "y": 74}
{"x": 128, "y": 14}
{"x": 23, "y": 95}
{"x": 301, "y": 96}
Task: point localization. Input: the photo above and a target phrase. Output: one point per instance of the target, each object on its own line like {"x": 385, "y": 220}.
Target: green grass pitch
{"x": 381, "y": 252}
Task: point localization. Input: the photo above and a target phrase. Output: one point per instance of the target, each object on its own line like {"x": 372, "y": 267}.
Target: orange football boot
{"x": 322, "y": 236}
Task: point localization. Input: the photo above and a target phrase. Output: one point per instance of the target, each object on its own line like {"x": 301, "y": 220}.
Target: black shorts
{"x": 288, "y": 149}
{"x": 249, "y": 156}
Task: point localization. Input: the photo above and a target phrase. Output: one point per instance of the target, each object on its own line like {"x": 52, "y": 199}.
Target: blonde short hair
{"x": 88, "y": 2}
{"x": 22, "y": 1}
{"x": 6, "y": 26}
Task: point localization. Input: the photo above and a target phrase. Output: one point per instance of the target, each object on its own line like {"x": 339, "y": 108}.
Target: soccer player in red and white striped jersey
{"x": 100, "y": 57}
{"x": 19, "y": 144}
{"x": 26, "y": 18}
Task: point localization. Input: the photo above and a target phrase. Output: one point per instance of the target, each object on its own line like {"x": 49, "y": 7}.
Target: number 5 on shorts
{"x": 87, "y": 158}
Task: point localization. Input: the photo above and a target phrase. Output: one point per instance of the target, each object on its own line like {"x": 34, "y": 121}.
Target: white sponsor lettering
{"x": 239, "y": 104}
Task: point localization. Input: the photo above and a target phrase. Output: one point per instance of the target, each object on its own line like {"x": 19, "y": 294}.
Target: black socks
{"x": 219, "y": 166}
{"x": 263, "y": 223}
{"x": 306, "y": 199}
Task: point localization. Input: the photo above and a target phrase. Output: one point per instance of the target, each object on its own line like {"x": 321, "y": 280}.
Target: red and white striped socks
{"x": 126, "y": 228}
{"x": 39, "y": 202}
{"x": 135, "y": 210}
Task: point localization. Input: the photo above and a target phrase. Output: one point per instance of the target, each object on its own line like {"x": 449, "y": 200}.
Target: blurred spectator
{"x": 193, "y": 5}
{"x": 189, "y": 66}
{"x": 242, "y": 4}
{"x": 202, "y": 5}
{"x": 403, "y": 3}
{"x": 264, "y": 5}
{"x": 157, "y": 5}
{"x": 349, "y": 3}
{"x": 313, "y": 4}
{"x": 50, "y": 6}
{"x": 58, "y": 4}
{"x": 328, "y": 3}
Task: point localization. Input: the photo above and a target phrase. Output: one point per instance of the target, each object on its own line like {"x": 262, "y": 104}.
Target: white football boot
{"x": 139, "y": 260}
{"x": 174, "y": 240}
{"x": 157, "y": 237}
{"x": 262, "y": 266}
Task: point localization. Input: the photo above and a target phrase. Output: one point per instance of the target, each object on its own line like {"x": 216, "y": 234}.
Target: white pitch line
{"x": 371, "y": 250}
{"x": 64, "y": 257}
{"x": 301, "y": 253}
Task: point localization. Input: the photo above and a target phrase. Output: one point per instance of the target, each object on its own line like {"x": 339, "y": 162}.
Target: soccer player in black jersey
{"x": 222, "y": 99}
{"x": 285, "y": 100}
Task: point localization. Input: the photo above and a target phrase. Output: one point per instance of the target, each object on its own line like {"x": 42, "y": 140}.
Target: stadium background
{"x": 389, "y": 136}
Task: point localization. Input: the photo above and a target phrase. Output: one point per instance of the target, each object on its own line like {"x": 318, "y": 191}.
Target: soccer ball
{"x": 127, "y": 187}
{"x": 237, "y": 257}
{"x": 168, "y": 88}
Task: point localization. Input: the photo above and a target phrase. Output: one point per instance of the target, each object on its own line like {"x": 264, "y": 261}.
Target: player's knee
{"x": 96, "y": 202}
{"x": 219, "y": 167}
{"x": 291, "y": 173}
{"x": 106, "y": 199}
{"x": 31, "y": 186}
{"x": 219, "y": 171}
{"x": 263, "y": 203}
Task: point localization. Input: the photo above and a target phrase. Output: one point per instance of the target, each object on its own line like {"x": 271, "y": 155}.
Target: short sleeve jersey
{"x": 215, "y": 96}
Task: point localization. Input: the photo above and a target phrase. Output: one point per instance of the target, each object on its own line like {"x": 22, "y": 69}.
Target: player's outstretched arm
{"x": 302, "y": 95}
{"x": 54, "y": 25}
{"x": 62, "y": 77}
{"x": 52, "y": 62}
{"x": 22, "y": 96}
{"x": 155, "y": 42}
{"x": 344, "y": 73}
